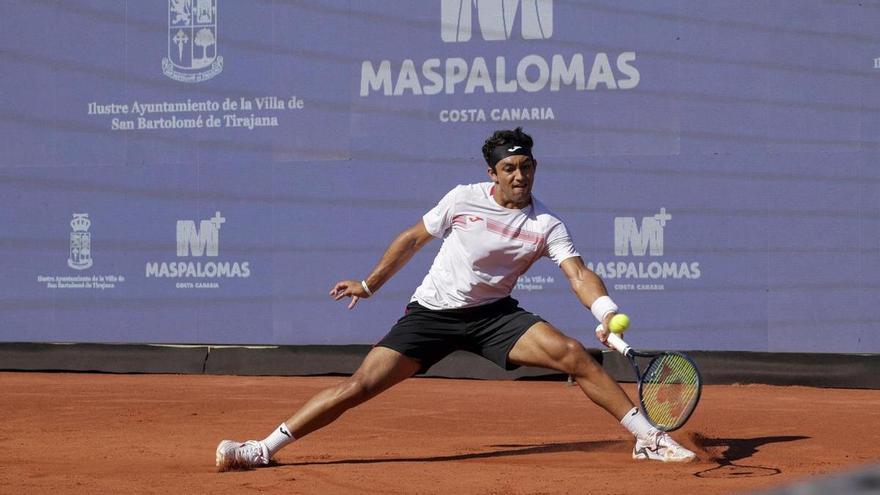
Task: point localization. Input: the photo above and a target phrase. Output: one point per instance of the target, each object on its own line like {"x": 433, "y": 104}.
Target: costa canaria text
{"x": 532, "y": 73}
{"x": 496, "y": 114}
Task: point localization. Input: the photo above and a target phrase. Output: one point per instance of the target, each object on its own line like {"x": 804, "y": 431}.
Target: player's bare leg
{"x": 545, "y": 346}
{"x": 381, "y": 369}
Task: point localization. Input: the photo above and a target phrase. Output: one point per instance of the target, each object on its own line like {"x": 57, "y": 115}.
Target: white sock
{"x": 279, "y": 438}
{"x": 636, "y": 423}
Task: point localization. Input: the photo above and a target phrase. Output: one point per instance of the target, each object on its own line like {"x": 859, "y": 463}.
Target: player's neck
{"x": 510, "y": 203}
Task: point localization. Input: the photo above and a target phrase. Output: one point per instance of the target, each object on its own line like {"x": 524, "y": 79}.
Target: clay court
{"x": 105, "y": 433}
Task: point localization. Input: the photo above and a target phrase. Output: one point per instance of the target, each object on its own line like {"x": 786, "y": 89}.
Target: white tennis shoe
{"x": 659, "y": 446}
{"x": 234, "y": 455}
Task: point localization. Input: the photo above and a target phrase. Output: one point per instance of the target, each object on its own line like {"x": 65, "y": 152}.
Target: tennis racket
{"x": 669, "y": 387}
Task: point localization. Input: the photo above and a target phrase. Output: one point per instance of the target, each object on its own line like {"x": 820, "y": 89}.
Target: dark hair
{"x": 505, "y": 138}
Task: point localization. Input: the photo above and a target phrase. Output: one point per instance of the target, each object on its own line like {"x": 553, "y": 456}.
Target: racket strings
{"x": 670, "y": 388}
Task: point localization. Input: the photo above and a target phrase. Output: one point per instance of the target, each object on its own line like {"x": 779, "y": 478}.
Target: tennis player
{"x": 492, "y": 233}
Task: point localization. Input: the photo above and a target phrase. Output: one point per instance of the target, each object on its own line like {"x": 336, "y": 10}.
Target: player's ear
{"x": 492, "y": 174}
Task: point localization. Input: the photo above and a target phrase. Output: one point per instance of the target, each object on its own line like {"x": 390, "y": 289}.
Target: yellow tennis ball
{"x": 619, "y": 323}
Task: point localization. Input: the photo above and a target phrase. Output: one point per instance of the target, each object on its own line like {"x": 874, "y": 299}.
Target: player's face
{"x": 514, "y": 177}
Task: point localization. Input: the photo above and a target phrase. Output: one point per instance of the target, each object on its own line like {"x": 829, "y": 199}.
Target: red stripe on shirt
{"x": 459, "y": 219}
{"x": 513, "y": 233}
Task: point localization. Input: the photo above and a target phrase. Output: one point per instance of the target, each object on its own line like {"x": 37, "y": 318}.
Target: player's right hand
{"x": 348, "y": 288}
{"x": 602, "y": 331}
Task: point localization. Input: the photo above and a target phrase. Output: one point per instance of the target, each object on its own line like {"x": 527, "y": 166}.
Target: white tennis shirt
{"x": 486, "y": 247}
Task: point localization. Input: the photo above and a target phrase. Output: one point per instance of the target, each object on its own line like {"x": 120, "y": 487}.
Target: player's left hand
{"x": 348, "y": 288}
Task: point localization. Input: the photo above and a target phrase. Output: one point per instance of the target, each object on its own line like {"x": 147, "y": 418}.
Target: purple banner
{"x": 202, "y": 171}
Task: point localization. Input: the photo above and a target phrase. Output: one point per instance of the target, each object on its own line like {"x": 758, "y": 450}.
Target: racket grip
{"x": 616, "y": 342}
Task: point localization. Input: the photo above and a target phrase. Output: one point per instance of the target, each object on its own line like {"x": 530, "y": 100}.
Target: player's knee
{"x": 577, "y": 360}
{"x": 354, "y": 391}
{"x": 571, "y": 354}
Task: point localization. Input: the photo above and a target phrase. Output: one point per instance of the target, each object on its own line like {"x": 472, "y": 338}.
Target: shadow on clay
{"x": 504, "y": 451}
{"x": 727, "y": 451}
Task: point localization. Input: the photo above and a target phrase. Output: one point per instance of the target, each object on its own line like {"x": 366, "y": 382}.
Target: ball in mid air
{"x": 619, "y": 323}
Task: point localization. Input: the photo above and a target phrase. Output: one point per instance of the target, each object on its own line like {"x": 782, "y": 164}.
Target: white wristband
{"x": 366, "y": 288}
{"x": 602, "y": 306}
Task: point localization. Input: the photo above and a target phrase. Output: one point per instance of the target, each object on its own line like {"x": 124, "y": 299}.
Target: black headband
{"x": 501, "y": 152}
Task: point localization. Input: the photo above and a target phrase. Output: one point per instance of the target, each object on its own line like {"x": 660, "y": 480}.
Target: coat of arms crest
{"x": 192, "y": 41}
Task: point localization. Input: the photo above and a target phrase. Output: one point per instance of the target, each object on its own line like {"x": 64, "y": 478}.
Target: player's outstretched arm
{"x": 398, "y": 253}
{"x": 588, "y": 287}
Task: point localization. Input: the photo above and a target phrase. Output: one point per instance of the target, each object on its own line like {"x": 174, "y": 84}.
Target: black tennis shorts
{"x": 490, "y": 330}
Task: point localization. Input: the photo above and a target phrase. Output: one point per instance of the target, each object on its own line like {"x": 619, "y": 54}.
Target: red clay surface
{"x": 93, "y": 433}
